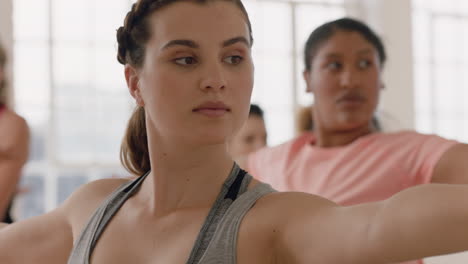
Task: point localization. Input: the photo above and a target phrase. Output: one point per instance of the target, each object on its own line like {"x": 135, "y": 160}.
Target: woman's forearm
{"x": 424, "y": 221}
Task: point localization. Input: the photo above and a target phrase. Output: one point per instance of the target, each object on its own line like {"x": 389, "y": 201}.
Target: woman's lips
{"x": 351, "y": 101}
{"x": 212, "y": 109}
{"x": 211, "y": 112}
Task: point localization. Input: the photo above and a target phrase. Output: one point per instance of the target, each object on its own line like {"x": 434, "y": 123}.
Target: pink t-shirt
{"x": 372, "y": 168}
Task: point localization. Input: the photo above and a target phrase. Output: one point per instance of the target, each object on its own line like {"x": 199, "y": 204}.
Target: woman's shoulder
{"x": 94, "y": 192}
{"x": 82, "y": 203}
{"x": 285, "y": 206}
{"x": 407, "y": 137}
{"x": 14, "y": 119}
{"x": 14, "y": 135}
{"x": 291, "y": 200}
{"x": 13, "y": 127}
{"x": 277, "y": 218}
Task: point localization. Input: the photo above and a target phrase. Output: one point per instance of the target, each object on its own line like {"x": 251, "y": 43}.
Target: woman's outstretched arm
{"x": 419, "y": 222}
{"x": 49, "y": 238}
{"x": 44, "y": 239}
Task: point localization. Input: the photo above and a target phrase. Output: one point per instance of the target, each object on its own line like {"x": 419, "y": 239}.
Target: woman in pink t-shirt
{"x": 346, "y": 158}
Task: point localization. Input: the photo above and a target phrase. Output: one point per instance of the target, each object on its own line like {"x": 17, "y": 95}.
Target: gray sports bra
{"x": 217, "y": 239}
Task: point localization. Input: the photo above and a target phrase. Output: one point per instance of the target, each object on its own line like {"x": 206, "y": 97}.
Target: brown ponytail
{"x": 304, "y": 119}
{"x": 134, "y": 153}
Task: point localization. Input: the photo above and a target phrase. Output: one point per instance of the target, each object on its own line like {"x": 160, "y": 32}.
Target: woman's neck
{"x": 327, "y": 138}
{"x": 185, "y": 177}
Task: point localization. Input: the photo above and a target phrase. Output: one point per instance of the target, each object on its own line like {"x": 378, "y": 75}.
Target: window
{"x": 70, "y": 88}
{"x": 440, "y": 30}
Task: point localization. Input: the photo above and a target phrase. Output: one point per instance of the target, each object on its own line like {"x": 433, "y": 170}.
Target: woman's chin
{"x": 208, "y": 138}
{"x": 353, "y": 126}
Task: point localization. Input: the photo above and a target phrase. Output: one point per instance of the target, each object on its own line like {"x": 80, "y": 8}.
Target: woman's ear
{"x": 381, "y": 78}
{"x": 133, "y": 84}
{"x": 308, "y": 81}
{"x": 382, "y": 85}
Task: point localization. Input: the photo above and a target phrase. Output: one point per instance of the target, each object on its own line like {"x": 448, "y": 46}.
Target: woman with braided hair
{"x": 188, "y": 66}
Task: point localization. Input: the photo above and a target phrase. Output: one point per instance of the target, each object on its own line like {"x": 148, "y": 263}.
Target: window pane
{"x": 30, "y": 19}
{"x": 37, "y": 151}
{"x": 68, "y": 183}
{"x": 32, "y": 86}
{"x": 309, "y": 17}
{"x": 272, "y": 53}
{"x": 113, "y": 110}
{"x": 441, "y": 63}
{"x": 32, "y": 202}
{"x": 108, "y": 74}
{"x": 446, "y": 39}
{"x": 72, "y": 20}
{"x": 73, "y": 70}
{"x": 74, "y": 103}
{"x": 72, "y": 66}
{"x": 75, "y": 136}
{"x": 108, "y": 16}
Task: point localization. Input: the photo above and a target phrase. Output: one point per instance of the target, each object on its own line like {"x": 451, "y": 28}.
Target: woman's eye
{"x": 249, "y": 139}
{"x": 233, "y": 59}
{"x": 186, "y": 61}
{"x": 334, "y": 65}
{"x": 364, "y": 64}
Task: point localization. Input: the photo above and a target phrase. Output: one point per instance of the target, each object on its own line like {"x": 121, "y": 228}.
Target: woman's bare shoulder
{"x": 102, "y": 187}
{"x": 13, "y": 119}
{"x": 13, "y": 128}
{"x": 86, "y": 199}
{"x": 290, "y": 200}
{"x": 93, "y": 192}
{"x": 285, "y": 206}
{"x": 276, "y": 216}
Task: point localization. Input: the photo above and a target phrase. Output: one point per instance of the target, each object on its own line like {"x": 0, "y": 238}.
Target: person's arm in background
{"x": 452, "y": 168}
{"x": 14, "y": 152}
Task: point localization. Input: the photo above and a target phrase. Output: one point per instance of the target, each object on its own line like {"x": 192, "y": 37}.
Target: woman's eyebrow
{"x": 181, "y": 42}
{"x": 194, "y": 45}
{"x": 235, "y": 40}
{"x": 365, "y": 51}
